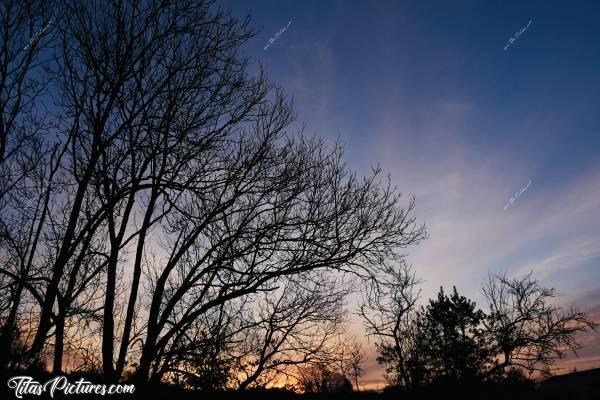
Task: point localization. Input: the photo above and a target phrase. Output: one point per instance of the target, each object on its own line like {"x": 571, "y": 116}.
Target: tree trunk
{"x": 137, "y": 273}
{"x": 61, "y": 261}
{"x": 59, "y": 342}
{"x": 9, "y": 328}
{"x": 109, "y": 324}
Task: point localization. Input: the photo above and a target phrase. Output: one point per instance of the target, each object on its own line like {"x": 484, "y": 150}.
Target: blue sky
{"x": 427, "y": 91}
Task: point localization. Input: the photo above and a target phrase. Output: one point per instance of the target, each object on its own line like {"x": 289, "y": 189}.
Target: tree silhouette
{"x": 451, "y": 341}
{"x": 454, "y": 342}
{"x": 320, "y": 379}
{"x": 300, "y": 323}
{"x": 527, "y": 330}
{"x": 164, "y": 192}
{"x": 389, "y": 313}
{"x": 27, "y": 163}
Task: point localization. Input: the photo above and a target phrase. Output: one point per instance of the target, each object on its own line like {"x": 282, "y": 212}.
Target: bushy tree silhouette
{"x": 451, "y": 341}
{"x": 320, "y": 379}
{"x": 454, "y": 342}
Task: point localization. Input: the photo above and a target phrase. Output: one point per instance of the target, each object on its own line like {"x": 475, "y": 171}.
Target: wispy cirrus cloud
{"x": 458, "y": 193}
{"x": 550, "y": 234}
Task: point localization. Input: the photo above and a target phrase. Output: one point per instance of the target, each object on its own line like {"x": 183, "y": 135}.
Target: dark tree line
{"x": 451, "y": 341}
{"x": 159, "y": 218}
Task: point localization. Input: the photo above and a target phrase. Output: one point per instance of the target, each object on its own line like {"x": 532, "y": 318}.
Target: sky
{"x": 497, "y": 139}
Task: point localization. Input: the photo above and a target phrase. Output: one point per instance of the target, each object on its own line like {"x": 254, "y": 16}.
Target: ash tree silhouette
{"x": 160, "y": 218}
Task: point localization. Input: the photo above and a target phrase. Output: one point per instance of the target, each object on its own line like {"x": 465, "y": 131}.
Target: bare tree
{"x": 389, "y": 314}
{"x": 166, "y": 164}
{"x": 298, "y": 323}
{"x": 295, "y": 223}
{"x": 351, "y": 357}
{"x": 322, "y": 379}
{"x": 451, "y": 339}
{"x": 135, "y": 102}
{"x": 26, "y": 158}
{"x": 267, "y": 337}
{"x": 528, "y": 330}
{"x": 24, "y": 37}
{"x": 202, "y": 357}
